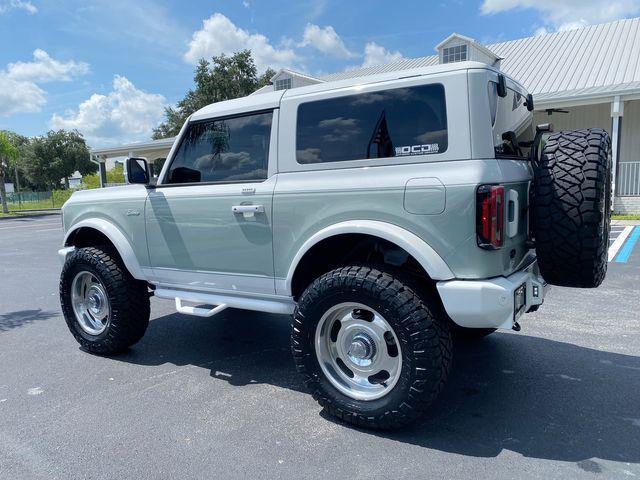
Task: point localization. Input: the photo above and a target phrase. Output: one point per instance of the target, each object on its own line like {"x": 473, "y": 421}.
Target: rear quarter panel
{"x": 307, "y": 202}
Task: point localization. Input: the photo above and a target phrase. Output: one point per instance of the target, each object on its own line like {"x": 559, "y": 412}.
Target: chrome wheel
{"x": 358, "y": 351}
{"x": 90, "y": 303}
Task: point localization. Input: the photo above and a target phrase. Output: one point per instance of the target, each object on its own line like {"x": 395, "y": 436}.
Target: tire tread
{"x": 128, "y": 297}
{"x": 571, "y": 207}
{"x": 431, "y": 347}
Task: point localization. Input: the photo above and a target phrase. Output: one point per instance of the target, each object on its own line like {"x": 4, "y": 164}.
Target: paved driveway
{"x": 219, "y": 398}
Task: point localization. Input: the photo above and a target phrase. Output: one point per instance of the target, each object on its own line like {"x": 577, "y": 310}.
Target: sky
{"x": 108, "y": 68}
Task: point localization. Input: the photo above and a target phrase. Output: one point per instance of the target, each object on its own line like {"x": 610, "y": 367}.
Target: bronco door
{"x": 208, "y": 222}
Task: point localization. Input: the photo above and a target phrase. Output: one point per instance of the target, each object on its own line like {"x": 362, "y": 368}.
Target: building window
{"x": 283, "y": 84}
{"x": 454, "y": 54}
{"x": 381, "y": 124}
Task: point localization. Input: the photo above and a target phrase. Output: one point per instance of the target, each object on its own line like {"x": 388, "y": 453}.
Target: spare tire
{"x": 572, "y": 207}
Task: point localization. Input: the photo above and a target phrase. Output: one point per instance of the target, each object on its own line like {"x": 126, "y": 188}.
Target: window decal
{"x": 383, "y": 124}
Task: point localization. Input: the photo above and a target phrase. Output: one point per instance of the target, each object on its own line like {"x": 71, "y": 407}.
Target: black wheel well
{"x": 357, "y": 248}
{"x": 91, "y": 237}
{"x": 87, "y": 237}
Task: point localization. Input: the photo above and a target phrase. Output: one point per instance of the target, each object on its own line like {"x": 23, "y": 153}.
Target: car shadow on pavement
{"x": 537, "y": 397}
{"x": 11, "y": 320}
{"x": 239, "y": 347}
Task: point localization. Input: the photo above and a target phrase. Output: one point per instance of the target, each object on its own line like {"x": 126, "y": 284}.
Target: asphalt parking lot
{"x": 219, "y": 398}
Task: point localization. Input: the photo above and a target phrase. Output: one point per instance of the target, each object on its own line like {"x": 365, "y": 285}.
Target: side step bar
{"x": 198, "y": 312}
{"x": 269, "y": 304}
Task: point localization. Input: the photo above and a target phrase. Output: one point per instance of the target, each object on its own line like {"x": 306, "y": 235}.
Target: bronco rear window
{"x": 390, "y": 123}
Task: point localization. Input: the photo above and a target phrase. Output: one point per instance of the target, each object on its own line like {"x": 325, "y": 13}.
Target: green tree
{"x": 224, "y": 78}
{"x": 8, "y": 154}
{"x": 56, "y": 156}
{"x": 115, "y": 175}
{"x": 16, "y": 169}
{"x": 157, "y": 165}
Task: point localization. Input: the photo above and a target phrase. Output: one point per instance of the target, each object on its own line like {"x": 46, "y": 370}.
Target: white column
{"x": 101, "y": 168}
{"x": 126, "y": 176}
{"x": 102, "y": 171}
{"x": 617, "y": 110}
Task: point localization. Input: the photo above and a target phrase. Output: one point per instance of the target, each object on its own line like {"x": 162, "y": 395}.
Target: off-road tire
{"x": 422, "y": 331}
{"x": 128, "y": 298}
{"x": 572, "y": 207}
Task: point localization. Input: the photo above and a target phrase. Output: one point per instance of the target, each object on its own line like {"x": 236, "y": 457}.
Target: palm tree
{"x": 8, "y": 152}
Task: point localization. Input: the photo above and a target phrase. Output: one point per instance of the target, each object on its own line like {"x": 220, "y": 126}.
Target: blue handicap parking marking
{"x": 627, "y": 248}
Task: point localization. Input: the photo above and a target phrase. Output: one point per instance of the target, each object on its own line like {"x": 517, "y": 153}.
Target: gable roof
{"x": 293, "y": 73}
{"x": 462, "y": 38}
{"x": 454, "y": 36}
{"x": 601, "y": 58}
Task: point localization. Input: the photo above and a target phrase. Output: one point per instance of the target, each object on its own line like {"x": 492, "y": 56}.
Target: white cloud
{"x": 219, "y": 35}
{"x": 567, "y": 14}
{"x": 19, "y": 82}
{"x": 19, "y": 97}
{"x": 539, "y": 31}
{"x": 124, "y": 114}
{"x": 375, "y": 54}
{"x": 325, "y": 40}
{"x": 27, "y": 6}
{"x": 46, "y": 69}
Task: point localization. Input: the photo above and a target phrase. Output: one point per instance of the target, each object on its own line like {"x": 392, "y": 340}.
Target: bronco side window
{"x": 223, "y": 150}
{"x": 509, "y": 113}
{"x": 388, "y": 123}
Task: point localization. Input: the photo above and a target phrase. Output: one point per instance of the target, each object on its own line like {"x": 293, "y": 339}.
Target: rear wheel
{"x": 371, "y": 351}
{"x": 572, "y": 207}
{"x": 105, "y": 308}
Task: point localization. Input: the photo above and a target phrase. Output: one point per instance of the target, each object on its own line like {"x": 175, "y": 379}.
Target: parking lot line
{"x": 625, "y": 252}
{"x": 617, "y": 244}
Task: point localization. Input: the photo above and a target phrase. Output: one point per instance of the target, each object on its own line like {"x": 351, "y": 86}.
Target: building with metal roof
{"x": 562, "y": 65}
{"x": 588, "y": 77}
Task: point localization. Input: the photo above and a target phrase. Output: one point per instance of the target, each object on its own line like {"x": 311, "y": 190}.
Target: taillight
{"x": 490, "y": 216}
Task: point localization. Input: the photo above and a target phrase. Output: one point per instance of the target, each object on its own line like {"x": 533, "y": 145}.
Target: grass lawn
{"x": 55, "y": 201}
{"x": 625, "y": 217}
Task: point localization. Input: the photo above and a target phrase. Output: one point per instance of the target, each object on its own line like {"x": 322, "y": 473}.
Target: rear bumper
{"x": 490, "y": 303}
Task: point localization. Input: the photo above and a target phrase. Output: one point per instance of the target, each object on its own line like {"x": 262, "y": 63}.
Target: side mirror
{"x": 137, "y": 171}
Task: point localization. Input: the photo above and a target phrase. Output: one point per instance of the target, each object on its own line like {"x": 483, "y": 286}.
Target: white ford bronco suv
{"x": 388, "y": 214}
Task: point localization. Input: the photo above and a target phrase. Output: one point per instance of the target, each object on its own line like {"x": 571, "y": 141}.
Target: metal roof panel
{"x": 568, "y": 61}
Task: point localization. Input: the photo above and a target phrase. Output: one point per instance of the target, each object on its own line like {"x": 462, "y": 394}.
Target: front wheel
{"x": 105, "y": 308}
{"x": 372, "y": 352}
